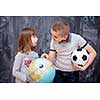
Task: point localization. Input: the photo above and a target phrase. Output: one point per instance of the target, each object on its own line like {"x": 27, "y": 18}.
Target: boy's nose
{"x": 53, "y": 38}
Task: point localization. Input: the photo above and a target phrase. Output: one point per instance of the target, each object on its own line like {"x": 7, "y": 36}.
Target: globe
{"x": 42, "y": 70}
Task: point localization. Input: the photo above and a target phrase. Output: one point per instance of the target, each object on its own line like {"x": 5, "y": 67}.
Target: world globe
{"x": 42, "y": 70}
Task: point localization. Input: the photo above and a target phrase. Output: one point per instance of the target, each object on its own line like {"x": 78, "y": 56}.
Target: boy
{"x": 62, "y": 45}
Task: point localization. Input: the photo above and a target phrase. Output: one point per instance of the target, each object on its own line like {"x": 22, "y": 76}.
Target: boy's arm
{"x": 92, "y": 55}
{"x": 52, "y": 55}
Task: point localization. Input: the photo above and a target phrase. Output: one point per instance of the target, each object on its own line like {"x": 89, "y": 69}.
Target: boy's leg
{"x": 66, "y": 77}
{"x": 71, "y": 77}
{"x": 58, "y": 77}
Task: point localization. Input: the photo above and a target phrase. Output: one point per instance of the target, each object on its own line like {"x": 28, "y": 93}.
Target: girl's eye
{"x": 35, "y": 36}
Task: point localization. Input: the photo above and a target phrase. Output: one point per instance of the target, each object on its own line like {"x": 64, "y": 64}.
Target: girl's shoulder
{"x": 19, "y": 55}
{"x": 35, "y": 54}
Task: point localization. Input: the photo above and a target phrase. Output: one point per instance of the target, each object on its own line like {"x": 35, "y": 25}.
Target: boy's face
{"x": 56, "y": 37}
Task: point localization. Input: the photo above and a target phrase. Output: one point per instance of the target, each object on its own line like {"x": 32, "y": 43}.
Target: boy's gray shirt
{"x": 20, "y": 69}
{"x": 64, "y": 50}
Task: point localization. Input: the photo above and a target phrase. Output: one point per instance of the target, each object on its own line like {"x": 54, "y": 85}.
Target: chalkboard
{"x": 87, "y": 26}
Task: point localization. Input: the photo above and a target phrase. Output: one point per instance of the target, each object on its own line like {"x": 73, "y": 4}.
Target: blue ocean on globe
{"x": 42, "y": 70}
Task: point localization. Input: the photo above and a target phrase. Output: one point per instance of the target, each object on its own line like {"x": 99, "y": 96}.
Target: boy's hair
{"x": 24, "y": 40}
{"x": 61, "y": 27}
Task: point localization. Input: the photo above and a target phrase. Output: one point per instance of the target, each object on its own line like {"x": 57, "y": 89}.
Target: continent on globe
{"x": 42, "y": 70}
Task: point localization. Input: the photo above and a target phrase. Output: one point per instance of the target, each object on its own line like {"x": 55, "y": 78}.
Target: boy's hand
{"x": 44, "y": 55}
{"x": 79, "y": 68}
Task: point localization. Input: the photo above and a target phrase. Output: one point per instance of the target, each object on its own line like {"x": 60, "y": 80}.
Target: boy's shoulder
{"x": 75, "y": 36}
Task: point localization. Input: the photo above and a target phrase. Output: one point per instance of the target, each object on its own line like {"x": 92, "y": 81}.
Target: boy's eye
{"x": 55, "y": 37}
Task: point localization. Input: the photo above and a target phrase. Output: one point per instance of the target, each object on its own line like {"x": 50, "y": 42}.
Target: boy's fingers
{"x": 44, "y": 55}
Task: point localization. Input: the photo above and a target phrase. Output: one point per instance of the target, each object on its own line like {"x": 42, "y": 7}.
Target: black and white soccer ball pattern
{"x": 79, "y": 57}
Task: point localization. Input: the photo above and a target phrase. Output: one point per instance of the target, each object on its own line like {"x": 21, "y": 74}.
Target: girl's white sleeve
{"x": 16, "y": 68}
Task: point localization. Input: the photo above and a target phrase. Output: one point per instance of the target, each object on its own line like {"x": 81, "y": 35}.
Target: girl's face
{"x": 34, "y": 40}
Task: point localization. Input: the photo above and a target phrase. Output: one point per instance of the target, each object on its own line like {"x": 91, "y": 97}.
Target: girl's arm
{"x": 16, "y": 68}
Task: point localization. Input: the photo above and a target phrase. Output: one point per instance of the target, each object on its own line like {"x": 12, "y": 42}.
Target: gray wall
{"x": 87, "y": 26}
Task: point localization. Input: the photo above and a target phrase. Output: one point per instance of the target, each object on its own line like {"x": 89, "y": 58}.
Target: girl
{"x": 27, "y": 42}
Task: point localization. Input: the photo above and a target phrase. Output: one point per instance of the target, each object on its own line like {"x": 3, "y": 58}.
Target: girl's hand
{"x": 79, "y": 68}
{"x": 28, "y": 79}
{"x": 44, "y": 55}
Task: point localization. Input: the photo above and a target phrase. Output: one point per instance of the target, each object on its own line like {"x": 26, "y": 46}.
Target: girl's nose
{"x": 36, "y": 39}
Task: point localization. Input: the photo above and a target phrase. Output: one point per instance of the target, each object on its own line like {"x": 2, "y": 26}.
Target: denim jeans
{"x": 66, "y": 77}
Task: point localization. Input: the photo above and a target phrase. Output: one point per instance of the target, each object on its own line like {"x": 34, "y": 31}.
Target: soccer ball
{"x": 79, "y": 57}
{"x": 42, "y": 70}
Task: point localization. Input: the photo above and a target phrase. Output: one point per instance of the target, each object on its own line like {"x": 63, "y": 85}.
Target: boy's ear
{"x": 65, "y": 37}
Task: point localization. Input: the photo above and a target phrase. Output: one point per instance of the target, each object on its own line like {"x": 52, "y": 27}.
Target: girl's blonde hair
{"x": 24, "y": 40}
